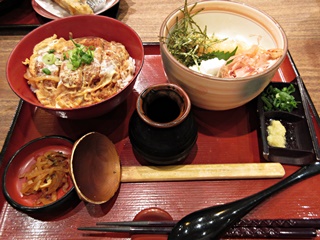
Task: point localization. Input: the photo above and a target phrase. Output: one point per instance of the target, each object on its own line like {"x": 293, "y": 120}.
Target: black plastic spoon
{"x": 211, "y": 223}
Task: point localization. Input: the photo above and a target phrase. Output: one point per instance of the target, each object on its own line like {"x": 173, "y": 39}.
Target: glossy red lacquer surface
{"x": 22, "y": 163}
{"x": 151, "y": 214}
{"x": 224, "y": 137}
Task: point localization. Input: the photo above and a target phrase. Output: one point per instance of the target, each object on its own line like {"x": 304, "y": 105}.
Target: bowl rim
{"x": 164, "y": 49}
{"x": 164, "y": 87}
{"x": 6, "y": 194}
{"x": 75, "y": 17}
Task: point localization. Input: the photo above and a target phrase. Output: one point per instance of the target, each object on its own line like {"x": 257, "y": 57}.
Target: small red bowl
{"x": 80, "y": 26}
{"x": 20, "y": 163}
{"x": 151, "y": 214}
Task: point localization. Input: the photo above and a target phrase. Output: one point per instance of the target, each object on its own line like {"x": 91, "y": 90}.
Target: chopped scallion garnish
{"x": 279, "y": 99}
{"x": 46, "y": 71}
{"x": 49, "y": 58}
{"x": 80, "y": 55}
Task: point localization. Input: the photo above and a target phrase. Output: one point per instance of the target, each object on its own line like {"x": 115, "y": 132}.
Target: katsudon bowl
{"x": 236, "y": 23}
{"x": 83, "y": 26}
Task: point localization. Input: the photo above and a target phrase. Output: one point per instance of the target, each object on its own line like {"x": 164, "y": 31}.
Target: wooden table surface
{"x": 300, "y": 20}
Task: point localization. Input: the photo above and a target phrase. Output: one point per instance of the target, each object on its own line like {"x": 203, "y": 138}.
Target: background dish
{"x": 51, "y": 10}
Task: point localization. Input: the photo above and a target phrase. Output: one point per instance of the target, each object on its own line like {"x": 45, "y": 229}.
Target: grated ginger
{"x": 276, "y": 134}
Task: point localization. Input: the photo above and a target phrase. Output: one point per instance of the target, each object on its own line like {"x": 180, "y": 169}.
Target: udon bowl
{"x": 80, "y": 26}
{"x": 232, "y": 20}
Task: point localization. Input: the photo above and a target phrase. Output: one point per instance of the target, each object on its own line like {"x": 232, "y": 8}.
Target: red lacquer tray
{"x": 224, "y": 137}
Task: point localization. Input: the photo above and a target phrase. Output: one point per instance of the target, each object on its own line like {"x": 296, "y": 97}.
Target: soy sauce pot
{"x": 162, "y": 130}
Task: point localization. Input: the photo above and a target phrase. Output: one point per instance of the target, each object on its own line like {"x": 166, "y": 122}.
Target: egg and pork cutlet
{"x": 78, "y": 72}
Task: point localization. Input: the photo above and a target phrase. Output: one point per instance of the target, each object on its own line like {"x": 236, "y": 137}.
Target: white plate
{"x": 51, "y": 10}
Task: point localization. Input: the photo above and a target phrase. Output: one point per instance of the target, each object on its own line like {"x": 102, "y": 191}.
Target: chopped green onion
{"x": 51, "y": 51}
{"x": 49, "y": 58}
{"x": 76, "y": 44}
{"x": 70, "y": 66}
{"x": 276, "y": 99}
{"x": 46, "y": 71}
{"x": 87, "y": 58}
{"x": 76, "y": 62}
{"x": 80, "y": 55}
{"x": 58, "y": 62}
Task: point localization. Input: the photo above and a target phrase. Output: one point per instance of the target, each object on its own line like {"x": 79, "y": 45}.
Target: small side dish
{"x": 285, "y": 132}
{"x": 37, "y": 180}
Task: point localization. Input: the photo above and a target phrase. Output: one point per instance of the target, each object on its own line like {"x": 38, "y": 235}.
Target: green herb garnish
{"x": 46, "y": 71}
{"x": 58, "y": 62}
{"x": 189, "y": 44}
{"x": 276, "y": 99}
{"x": 80, "y": 55}
{"x": 219, "y": 54}
{"x": 49, "y": 58}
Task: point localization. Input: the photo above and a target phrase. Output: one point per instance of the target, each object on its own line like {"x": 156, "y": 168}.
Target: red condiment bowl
{"x": 80, "y": 26}
{"x": 21, "y": 162}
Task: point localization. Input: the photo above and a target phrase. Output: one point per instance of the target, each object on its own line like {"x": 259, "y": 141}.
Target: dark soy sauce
{"x": 163, "y": 109}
